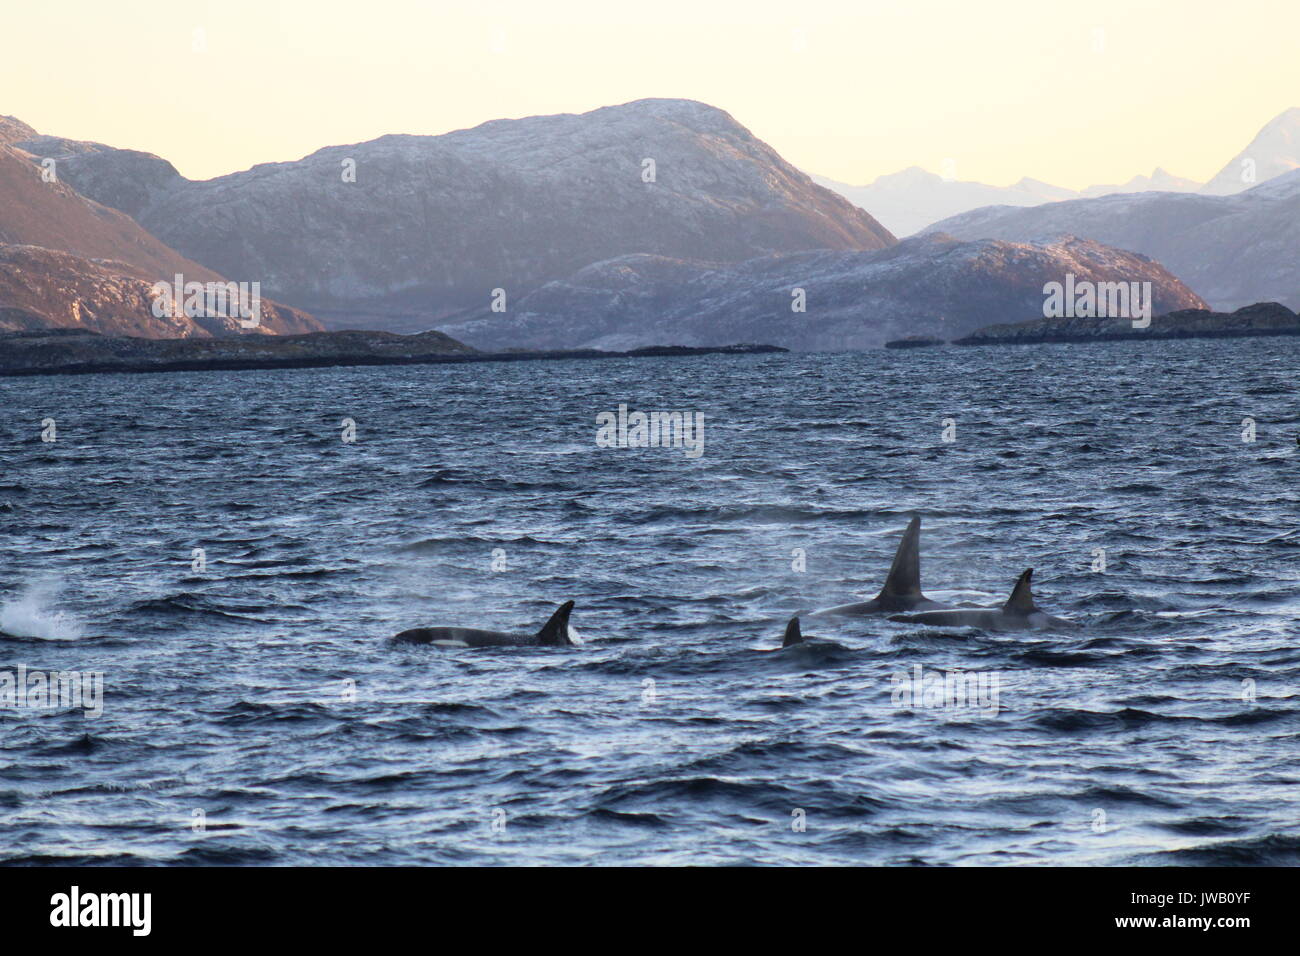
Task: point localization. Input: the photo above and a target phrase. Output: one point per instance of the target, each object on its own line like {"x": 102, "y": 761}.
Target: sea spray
{"x": 29, "y": 615}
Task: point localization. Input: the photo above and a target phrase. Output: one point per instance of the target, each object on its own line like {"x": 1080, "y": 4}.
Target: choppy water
{"x": 676, "y": 734}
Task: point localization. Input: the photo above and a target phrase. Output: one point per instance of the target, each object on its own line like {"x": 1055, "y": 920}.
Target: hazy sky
{"x": 1072, "y": 93}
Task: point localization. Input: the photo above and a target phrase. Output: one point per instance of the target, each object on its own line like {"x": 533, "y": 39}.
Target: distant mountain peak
{"x": 1288, "y": 118}
{"x": 912, "y": 174}
{"x": 1274, "y": 150}
{"x": 665, "y": 106}
{"x": 911, "y": 199}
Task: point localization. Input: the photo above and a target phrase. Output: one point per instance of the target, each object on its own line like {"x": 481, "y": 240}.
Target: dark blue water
{"x": 1166, "y": 730}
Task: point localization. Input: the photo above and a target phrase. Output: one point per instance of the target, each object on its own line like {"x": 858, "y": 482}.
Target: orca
{"x": 902, "y": 590}
{"x": 1019, "y": 613}
{"x": 555, "y": 633}
{"x": 796, "y": 641}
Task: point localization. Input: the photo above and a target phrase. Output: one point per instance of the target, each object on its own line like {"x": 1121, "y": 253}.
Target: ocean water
{"x": 254, "y": 710}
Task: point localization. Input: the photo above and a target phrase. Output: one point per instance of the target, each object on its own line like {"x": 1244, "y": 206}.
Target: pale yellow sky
{"x": 1073, "y": 94}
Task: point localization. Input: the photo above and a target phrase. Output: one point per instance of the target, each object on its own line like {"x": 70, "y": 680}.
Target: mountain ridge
{"x": 435, "y": 224}
{"x": 1234, "y": 250}
{"x": 913, "y": 200}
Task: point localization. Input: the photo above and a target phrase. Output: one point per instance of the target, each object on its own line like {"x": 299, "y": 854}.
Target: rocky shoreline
{"x": 79, "y": 352}
{"x": 914, "y": 342}
{"x": 1263, "y": 318}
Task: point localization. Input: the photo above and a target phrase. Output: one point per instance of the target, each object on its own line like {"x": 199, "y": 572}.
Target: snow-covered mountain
{"x": 434, "y": 224}
{"x": 1158, "y": 181}
{"x": 909, "y": 201}
{"x": 51, "y": 214}
{"x": 1233, "y": 250}
{"x": 930, "y": 285}
{"x": 123, "y": 179}
{"x": 1274, "y": 152}
{"x": 68, "y": 261}
{"x": 906, "y": 202}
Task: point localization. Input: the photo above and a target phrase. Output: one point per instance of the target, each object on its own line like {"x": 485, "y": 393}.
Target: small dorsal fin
{"x": 905, "y": 573}
{"x": 793, "y": 635}
{"x": 1022, "y": 598}
{"x": 556, "y": 630}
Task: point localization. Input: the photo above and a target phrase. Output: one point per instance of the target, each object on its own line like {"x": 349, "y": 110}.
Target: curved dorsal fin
{"x": 793, "y": 635}
{"x": 556, "y": 630}
{"x": 1022, "y": 598}
{"x": 905, "y": 573}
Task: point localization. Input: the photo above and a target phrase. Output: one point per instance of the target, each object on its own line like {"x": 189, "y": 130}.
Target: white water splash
{"x": 30, "y": 615}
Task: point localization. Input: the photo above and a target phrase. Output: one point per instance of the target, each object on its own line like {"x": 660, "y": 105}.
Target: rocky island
{"x": 913, "y": 342}
{"x": 63, "y": 351}
{"x": 1262, "y": 318}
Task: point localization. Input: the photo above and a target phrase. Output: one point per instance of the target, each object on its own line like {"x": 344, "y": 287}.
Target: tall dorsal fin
{"x": 556, "y": 630}
{"x": 793, "y": 635}
{"x": 1022, "y": 598}
{"x": 905, "y": 573}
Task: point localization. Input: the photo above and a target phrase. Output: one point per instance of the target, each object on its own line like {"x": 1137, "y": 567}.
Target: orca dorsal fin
{"x": 793, "y": 635}
{"x": 1022, "y": 598}
{"x": 905, "y": 573}
{"x": 556, "y": 630}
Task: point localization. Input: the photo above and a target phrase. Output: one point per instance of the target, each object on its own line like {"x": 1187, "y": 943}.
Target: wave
{"x": 187, "y": 603}
{"x": 31, "y": 616}
{"x": 1271, "y": 850}
{"x": 455, "y": 476}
